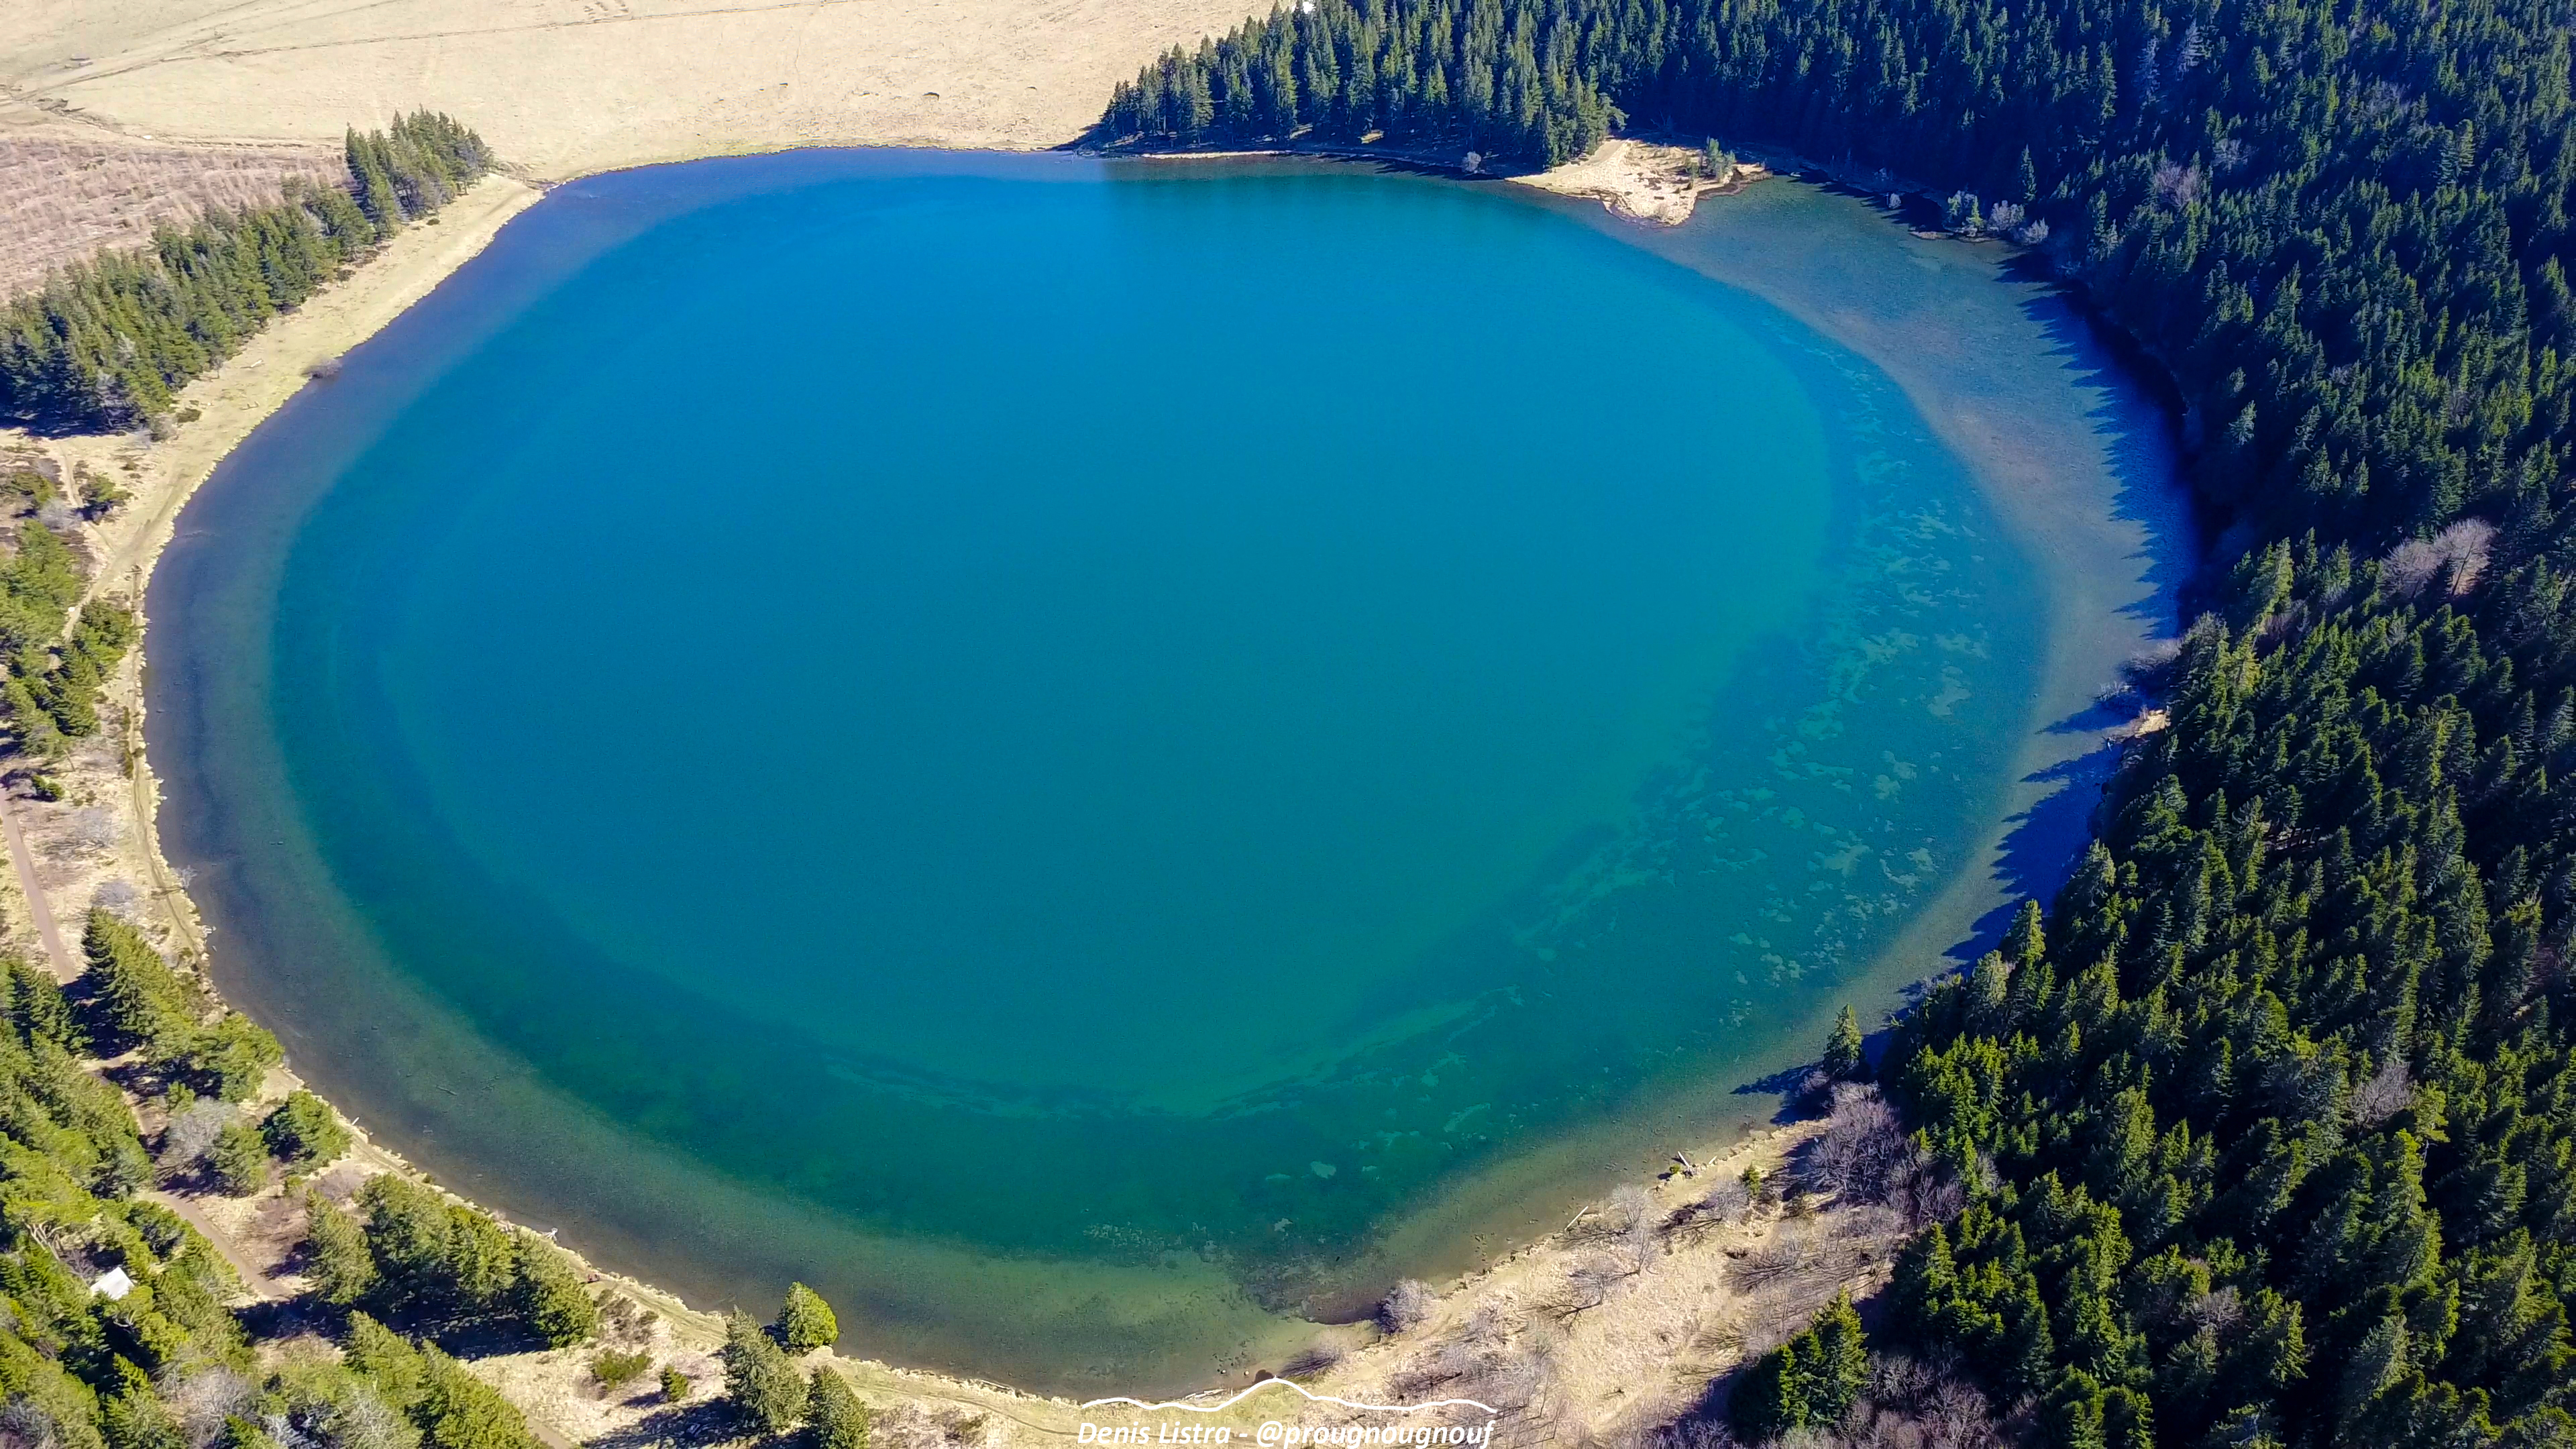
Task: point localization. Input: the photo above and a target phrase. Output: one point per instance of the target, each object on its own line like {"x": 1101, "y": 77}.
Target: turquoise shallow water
{"x": 1054, "y": 721}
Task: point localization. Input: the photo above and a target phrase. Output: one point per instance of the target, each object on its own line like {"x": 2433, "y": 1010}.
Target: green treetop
{"x": 759, "y": 1378}
{"x": 1843, "y": 1060}
{"x": 805, "y": 1321}
{"x": 834, "y": 1413}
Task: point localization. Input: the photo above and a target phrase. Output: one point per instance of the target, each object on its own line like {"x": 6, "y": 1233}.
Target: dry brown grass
{"x": 63, "y": 198}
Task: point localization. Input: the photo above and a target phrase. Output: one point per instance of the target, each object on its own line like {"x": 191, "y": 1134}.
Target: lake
{"x": 1077, "y": 753}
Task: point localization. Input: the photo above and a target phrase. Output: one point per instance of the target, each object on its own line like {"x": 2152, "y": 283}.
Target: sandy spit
{"x": 1644, "y": 180}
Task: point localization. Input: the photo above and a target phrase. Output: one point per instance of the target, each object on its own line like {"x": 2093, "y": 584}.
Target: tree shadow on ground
{"x": 708, "y": 1421}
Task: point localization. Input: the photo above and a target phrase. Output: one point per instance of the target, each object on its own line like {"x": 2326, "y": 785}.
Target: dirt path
{"x": 258, "y": 1284}
{"x": 37, "y": 906}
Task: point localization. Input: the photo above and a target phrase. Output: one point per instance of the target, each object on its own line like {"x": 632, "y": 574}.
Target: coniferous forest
{"x": 105, "y": 343}
{"x": 2266, "y": 1134}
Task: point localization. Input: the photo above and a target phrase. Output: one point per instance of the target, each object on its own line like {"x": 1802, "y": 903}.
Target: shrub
{"x": 675, "y": 1384}
{"x": 805, "y": 1321}
{"x": 615, "y": 1370}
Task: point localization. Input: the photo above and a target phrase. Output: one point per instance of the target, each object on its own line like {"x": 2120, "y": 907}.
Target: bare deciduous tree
{"x": 1914, "y": 1405}
{"x": 1314, "y": 1358}
{"x": 25, "y": 1426}
{"x": 2456, "y": 558}
{"x": 2385, "y": 1094}
{"x": 2180, "y": 186}
{"x": 1630, "y": 1217}
{"x": 1510, "y": 1381}
{"x": 1588, "y": 1282}
{"x": 1784, "y": 1254}
{"x": 341, "y": 1183}
{"x": 2219, "y": 1311}
{"x": 203, "y": 1401}
{"x": 96, "y": 828}
{"x": 119, "y": 896}
{"x": 191, "y": 1132}
{"x": 1407, "y": 1305}
{"x": 1863, "y": 1150}
{"x": 1695, "y": 1432}
{"x": 1726, "y": 1202}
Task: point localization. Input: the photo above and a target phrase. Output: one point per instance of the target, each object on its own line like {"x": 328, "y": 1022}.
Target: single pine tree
{"x": 805, "y": 1321}
{"x": 1843, "y": 1059}
{"x": 834, "y": 1414}
{"x": 759, "y": 1379}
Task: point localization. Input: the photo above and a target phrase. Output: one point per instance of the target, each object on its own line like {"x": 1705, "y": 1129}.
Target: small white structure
{"x": 112, "y": 1284}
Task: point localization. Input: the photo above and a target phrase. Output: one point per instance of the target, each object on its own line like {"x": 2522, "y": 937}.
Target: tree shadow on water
{"x": 2044, "y": 843}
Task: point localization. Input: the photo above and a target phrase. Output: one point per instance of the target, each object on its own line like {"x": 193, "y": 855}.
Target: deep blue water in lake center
{"x": 1096, "y": 718}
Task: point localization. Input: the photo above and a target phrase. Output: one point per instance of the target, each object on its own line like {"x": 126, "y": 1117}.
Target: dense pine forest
{"x": 104, "y": 344}
{"x": 2266, "y": 1135}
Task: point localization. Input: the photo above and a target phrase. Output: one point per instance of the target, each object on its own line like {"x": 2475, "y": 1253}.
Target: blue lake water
{"x": 1053, "y": 748}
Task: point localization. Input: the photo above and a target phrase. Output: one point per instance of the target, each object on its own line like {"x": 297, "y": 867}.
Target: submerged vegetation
{"x": 2268, "y": 1135}
{"x": 104, "y": 344}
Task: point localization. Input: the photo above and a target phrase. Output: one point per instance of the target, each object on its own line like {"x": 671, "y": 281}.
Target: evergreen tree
{"x": 1809, "y": 1382}
{"x": 805, "y": 1321}
{"x": 1843, "y": 1060}
{"x": 551, "y": 1297}
{"x": 759, "y": 1378}
{"x": 105, "y": 344}
{"x": 304, "y": 1133}
{"x": 392, "y": 1363}
{"x": 459, "y": 1411}
{"x": 337, "y": 1262}
{"x": 239, "y": 1158}
{"x": 833, "y": 1413}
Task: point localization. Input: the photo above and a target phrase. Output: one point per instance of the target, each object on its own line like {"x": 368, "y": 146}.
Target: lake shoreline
{"x": 131, "y": 544}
